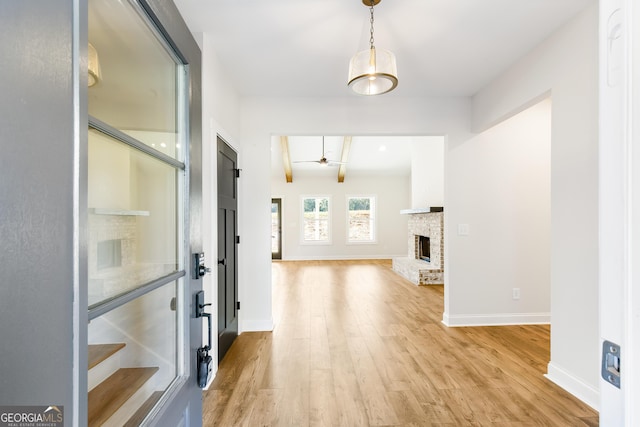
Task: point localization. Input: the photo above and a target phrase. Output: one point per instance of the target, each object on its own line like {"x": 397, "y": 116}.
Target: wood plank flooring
{"x": 356, "y": 345}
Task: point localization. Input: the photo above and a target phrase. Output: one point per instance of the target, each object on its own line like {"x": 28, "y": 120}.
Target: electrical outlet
{"x": 516, "y": 293}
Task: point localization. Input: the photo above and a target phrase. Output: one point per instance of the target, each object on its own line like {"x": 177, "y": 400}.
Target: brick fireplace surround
{"x": 419, "y": 272}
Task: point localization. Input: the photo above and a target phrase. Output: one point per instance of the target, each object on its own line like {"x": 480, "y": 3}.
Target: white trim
{"x": 214, "y": 374}
{"x": 631, "y": 368}
{"x": 329, "y": 240}
{"x": 372, "y": 212}
{"x": 618, "y": 204}
{"x": 336, "y": 257}
{"x": 573, "y": 385}
{"x": 497, "y": 319}
{"x": 257, "y": 325}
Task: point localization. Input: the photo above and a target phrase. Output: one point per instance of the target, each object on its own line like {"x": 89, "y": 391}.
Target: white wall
{"x": 264, "y": 117}
{"x": 427, "y": 172}
{"x": 565, "y": 65}
{"x": 502, "y": 192}
{"x": 392, "y": 194}
{"x": 220, "y": 116}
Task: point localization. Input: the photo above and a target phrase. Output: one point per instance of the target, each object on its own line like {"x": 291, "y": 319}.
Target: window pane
{"x": 147, "y": 326}
{"x": 315, "y": 219}
{"x": 138, "y": 86}
{"x": 361, "y": 219}
{"x": 132, "y": 218}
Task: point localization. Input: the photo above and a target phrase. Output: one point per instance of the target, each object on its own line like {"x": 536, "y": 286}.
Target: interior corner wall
{"x": 220, "y": 116}
{"x": 427, "y": 172}
{"x": 501, "y": 193}
{"x": 264, "y": 117}
{"x": 392, "y": 195}
{"x": 566, "y": 65}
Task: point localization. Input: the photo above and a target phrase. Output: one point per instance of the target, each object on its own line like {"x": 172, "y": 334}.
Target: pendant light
{"x": 373, "y": 71}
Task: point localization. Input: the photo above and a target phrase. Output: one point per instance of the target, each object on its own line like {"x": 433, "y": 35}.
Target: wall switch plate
{"x": 516, "y": 293}
{"x": 463, "y": 229}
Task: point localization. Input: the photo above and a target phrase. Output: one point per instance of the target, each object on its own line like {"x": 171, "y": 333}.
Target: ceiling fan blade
{"x": 323, "y": 160}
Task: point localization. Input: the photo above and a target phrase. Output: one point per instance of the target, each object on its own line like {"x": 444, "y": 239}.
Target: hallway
{"x": 355, "y": 344}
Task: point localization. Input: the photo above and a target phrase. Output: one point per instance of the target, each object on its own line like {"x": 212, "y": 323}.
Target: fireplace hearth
{"x": 424, "y": 264}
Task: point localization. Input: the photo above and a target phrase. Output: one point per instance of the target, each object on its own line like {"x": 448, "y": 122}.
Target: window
{"x": 135, "y": 193}
{"x": 361, "y": 219}
{"x": 316, "y": 217}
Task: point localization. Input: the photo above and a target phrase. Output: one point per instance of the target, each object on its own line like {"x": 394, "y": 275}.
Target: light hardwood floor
{"x": 356, "y": 345}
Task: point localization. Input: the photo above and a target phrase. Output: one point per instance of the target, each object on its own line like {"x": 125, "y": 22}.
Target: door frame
{"x": 619, "y": 205}
{"x": 230, "y": 245}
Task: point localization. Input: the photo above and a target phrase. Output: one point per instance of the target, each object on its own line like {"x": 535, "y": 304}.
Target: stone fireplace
{"x": 116, "y": 258}
{"x": 424, "y": 264}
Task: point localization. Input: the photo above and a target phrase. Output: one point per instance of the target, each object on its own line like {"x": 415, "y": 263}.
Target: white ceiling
{"x": 386, "y": 155}
{"x": 302, "y": 48}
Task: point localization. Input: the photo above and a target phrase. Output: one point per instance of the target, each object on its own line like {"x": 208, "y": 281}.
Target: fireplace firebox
{"x": 424, "y": 248}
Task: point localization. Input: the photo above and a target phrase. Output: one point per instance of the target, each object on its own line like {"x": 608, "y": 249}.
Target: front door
{"x": 227, "y": 247}
{"x": 144, "y": 214}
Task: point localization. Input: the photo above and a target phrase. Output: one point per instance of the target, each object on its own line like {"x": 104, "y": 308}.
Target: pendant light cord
{"x": 371, "y": 21}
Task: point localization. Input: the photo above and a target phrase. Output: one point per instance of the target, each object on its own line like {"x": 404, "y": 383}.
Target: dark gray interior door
{"x": 227, "y": 248}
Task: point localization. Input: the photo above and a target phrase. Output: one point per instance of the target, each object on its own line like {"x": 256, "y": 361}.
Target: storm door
{"x": 139, "y": 207}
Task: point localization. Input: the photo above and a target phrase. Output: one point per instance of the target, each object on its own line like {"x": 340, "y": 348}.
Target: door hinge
{"x": 237, "y": 305}
{"x": 237, "y": 171}
{"x": 238, "y": 240}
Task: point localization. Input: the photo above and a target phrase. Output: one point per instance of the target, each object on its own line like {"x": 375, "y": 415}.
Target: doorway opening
{"x": 276, "y": 228}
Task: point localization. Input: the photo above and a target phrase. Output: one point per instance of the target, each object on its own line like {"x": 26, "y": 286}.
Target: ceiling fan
{"x": 323, "y": 159}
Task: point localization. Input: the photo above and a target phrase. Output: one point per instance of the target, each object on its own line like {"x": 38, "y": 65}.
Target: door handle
{"x": 200, "y": 305}
{"x": 203, "y": 359}
{"x": 222, "y": 261}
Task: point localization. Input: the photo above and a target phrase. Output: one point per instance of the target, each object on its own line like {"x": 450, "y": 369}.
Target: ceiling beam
{"x": 346, "y": 146}
{"x": 286, "y": 158}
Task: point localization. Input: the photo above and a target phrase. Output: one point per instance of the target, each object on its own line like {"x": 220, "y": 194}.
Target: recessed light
{"x": 382, "y": 148}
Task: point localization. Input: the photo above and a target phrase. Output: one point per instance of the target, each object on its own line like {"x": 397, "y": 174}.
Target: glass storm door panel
{"x": 137, "y": 91}
{"x": 133, "y": 220}
{"x": 137, "y": 286}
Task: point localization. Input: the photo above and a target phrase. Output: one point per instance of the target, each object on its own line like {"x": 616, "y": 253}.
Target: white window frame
{"x": 304, "y": 241}
{"x": 374, "y": 220}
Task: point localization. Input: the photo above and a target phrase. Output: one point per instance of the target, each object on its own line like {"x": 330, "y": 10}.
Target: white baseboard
{"x": 338, "y": 257}
{"x": 497, "y": 319}
{"x": 574, "y": 385}
{"x": 256, "y": 325}
{"x": 214, "y": 373}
